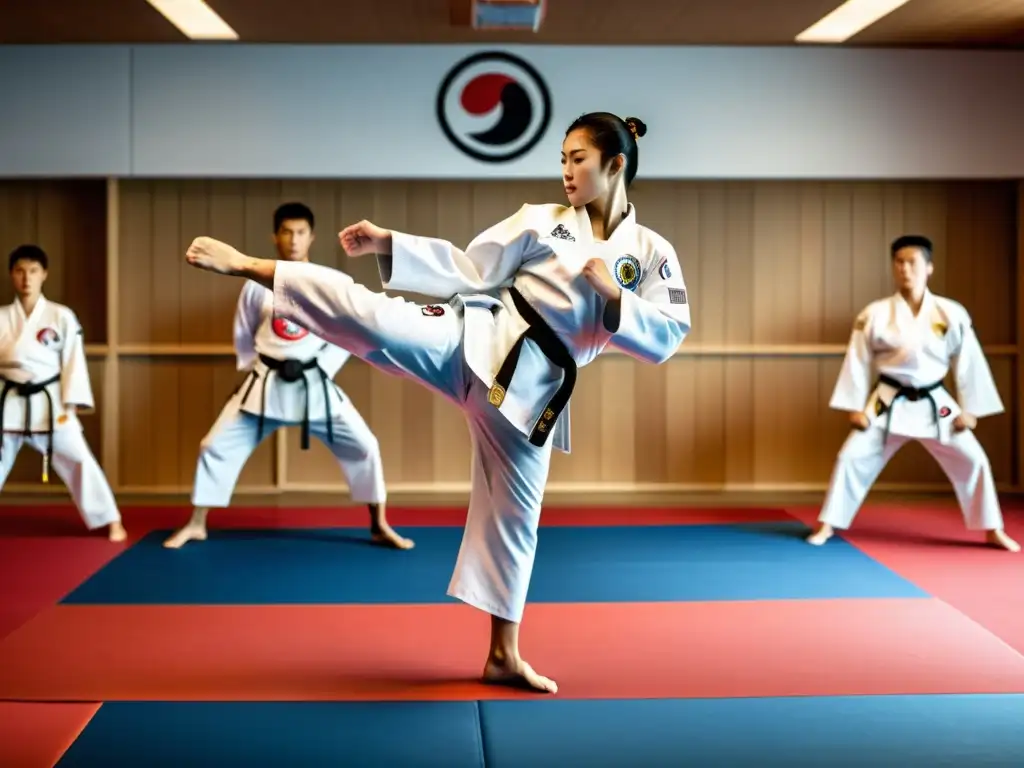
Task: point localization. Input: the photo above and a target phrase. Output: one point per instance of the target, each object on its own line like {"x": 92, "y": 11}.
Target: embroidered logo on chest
{"x": 287, "y": 330}
{"x": 627, "y": 272}
{"x": 432, "y": 310}
{"x": 562, "y": 233}
{"x": 48, "y": 337}
{"x": 665, "y": 271}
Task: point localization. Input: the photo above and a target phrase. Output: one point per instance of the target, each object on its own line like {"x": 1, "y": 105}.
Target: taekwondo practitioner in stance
{"x": 912, "y": 339}
{"x": 529, "y": 301}
{"x": 289, "y": 381}
{"x": 45, "y": 385}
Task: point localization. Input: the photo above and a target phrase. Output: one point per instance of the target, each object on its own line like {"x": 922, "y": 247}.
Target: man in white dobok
{"x": 911, "y": 340}
{"x": 44, "y": 386}
{"x": 290, "y": 381}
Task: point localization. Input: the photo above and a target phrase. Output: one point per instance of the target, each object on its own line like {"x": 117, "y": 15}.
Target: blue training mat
{"x": 758, "y": 561}
{"x": 854, "y": 731}
{"x": 432, "y": 734}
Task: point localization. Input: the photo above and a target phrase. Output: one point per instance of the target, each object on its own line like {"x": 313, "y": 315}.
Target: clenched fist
{"x": 600, "y": 278}
{"x": 963, "y": 422}
{"x": 365, "y": 237}
{"x": 859, "y": 420}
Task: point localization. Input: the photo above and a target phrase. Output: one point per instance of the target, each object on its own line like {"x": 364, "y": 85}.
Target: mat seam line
{"x": 478, "y": 714}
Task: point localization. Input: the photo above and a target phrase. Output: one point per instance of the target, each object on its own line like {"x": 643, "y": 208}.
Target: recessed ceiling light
{"x": 195, "y": 19}
{"x": 848, "y": 19}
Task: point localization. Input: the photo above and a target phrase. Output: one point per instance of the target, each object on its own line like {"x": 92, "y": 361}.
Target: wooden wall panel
{"x": 67, "y": 219}
{"x": 167, "y": 405}
{"x": 777, "y": 271}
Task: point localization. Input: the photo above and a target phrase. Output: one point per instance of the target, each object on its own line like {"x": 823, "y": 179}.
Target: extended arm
{"x": 651, "y": 323}
{"x": 437, "y": 268}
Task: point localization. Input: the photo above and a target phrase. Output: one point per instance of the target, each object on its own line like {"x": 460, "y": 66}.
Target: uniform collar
{"x": 36, "y": 311}
{"x": 585, "y": 234}
{"x": 903, "y": 308}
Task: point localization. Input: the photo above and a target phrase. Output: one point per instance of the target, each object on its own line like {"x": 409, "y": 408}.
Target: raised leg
{"x": 395, "y": 335}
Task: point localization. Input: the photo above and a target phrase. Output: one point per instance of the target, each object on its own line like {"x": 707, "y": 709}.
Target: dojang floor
{"x": 678, "y": 637}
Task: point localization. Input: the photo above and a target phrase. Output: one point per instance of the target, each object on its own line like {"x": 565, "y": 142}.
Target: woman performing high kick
{"x": 527, "y": 303}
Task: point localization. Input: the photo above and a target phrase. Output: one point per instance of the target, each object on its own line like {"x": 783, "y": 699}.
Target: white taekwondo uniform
{"x": 911, "y": 356}
{"x": 43, "y": 372}
{"x": 468, "y": 348}
{"x": 290, "y": 381}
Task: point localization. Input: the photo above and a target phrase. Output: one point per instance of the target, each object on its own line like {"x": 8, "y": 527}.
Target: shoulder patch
{"x": 860, "y": 323}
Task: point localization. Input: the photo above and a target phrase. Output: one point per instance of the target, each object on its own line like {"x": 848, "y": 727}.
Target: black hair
{"x": 293, "y": 212}
{"x": 613, "y": 136}
{"x": 912, "y": 241}
{"x": 28, "y": 253}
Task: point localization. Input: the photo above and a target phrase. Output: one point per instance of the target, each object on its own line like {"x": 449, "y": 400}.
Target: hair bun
{"x": 636, "y": 126}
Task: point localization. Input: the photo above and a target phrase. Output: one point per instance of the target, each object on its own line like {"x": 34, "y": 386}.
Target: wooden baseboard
{"x": 556, "y": 495}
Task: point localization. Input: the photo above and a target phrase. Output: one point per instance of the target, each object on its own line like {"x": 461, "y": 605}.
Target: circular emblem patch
{"x": 287, "y": 330}
{"x": 627, "y": 272}
{"x": 48, "y": 337}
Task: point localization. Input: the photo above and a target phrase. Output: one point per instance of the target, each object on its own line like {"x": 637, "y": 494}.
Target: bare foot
{"x": 116, "y": 532}
{"x": 214, "y": 256}
{"x": 820, "y": 536}
{"x": 1000, "y": 539}
{"x": 190, "y": 532}
{"x": 517, "y": 674}
{"x": 385, "y": 535}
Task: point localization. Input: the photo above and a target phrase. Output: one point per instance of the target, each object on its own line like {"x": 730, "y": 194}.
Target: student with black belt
{"x": 912, "y": 340}
{"x": 551, "y": 287}
{"x": 44, "y": 385}
{"x": 289, "y": 381}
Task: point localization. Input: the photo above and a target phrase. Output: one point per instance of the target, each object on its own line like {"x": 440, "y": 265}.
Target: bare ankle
{"x": 504, "y": 640}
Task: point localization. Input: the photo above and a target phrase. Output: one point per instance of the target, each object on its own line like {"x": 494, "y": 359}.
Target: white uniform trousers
{"x": 495, "y": 561}
{"x": 74, "y": 463}
{"x": 864, "y": 456}
{"x": 235, "y": 435}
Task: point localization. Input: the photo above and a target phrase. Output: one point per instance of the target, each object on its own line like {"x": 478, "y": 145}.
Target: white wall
{"x": 369, "y": 111}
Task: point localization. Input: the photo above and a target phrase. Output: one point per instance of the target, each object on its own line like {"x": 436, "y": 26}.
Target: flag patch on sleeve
{"x": 677, "y": 295}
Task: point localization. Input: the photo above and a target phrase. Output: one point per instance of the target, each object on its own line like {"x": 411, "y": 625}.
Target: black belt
{"x": 909, "y": 393}
{"x": 291, "y": 371}
{"x": 27, "y": 391}
{"x": 555, "y": 351}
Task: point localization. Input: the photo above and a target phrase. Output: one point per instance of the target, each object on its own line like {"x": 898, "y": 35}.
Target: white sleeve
{"x": 651, "y": 323}
{"x": 76, "y": 388}
{"x": 435, "y": 267}
{"x": 854, "y": 384}
{"x": 975, "y": 387}
{"x": 248, "y": 315}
